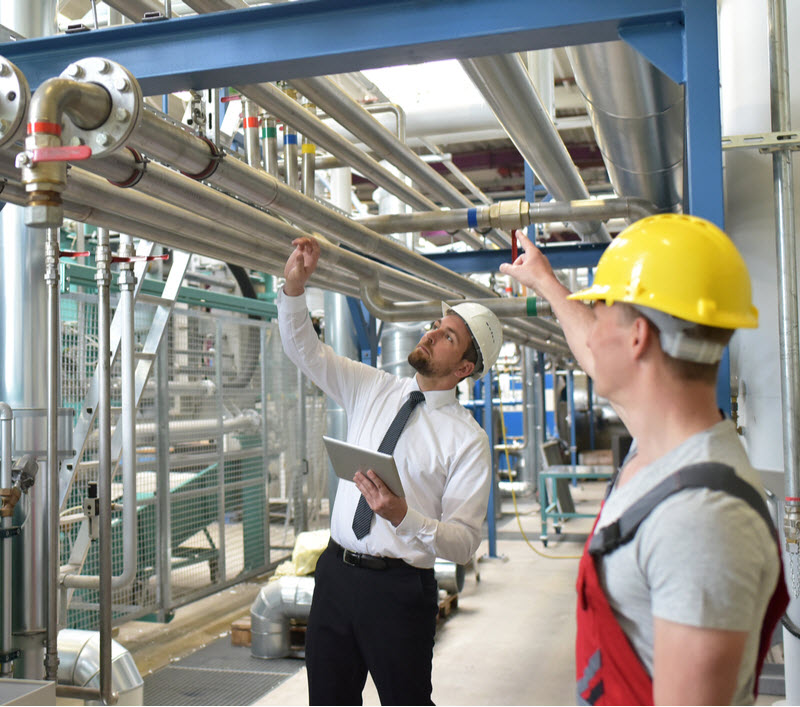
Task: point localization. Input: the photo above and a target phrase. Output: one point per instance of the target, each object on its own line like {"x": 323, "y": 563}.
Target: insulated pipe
{"x": 290, "y": 168}
{"x": 53, "y": 400}
{"x": 276, "y": 102}
{"x": 308, "y": 157}
{"x": 503, "y": 307}
{"x": 192, "y": 155}
{"x": 250, "y": 127}
{"x": 7, "y": 422}
{"x": 326, "y": 94}
{"x": 637, "y": 114}
{"x": 271, "y": 146}
{"x": 150, "y": 218}
{"x": 507, "y": 88}
{"x": 781, "y": 116}
{"x": 511, "y": 215}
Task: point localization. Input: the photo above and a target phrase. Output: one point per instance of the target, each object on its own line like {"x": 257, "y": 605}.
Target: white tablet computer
{"x": 347, "y": 459}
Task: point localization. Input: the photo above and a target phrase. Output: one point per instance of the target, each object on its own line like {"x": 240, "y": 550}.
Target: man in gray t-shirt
{"x": 675, "y": 610}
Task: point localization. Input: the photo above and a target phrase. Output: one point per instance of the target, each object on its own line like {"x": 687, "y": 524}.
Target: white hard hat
{"x": 486, "y": 331}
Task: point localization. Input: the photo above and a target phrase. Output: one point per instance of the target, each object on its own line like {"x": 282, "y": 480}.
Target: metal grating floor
{"x": 219, "y": 674}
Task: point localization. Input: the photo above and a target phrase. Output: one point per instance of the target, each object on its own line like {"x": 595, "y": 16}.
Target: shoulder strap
{"x": 711, "y": 475}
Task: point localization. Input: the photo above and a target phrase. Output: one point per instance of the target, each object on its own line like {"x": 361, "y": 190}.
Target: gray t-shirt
{"x": 702, "y": 558}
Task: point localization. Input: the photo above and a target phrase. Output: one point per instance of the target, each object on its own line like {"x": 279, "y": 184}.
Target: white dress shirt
{"x": 442, "y": 454}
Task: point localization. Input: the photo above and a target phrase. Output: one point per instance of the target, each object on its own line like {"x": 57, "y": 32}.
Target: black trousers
{"x": 377, "y": 621}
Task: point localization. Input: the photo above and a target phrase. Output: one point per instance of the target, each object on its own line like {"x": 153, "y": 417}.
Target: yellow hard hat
{"x": 679, "y": 264}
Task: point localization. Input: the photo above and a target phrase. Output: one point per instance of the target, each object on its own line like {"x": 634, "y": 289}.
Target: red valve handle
{"x": 138, "y": 258}
{"x": 228, "y": 99}
{"x": 513, "y": 246}
{"x": 64, "y": 153}
{"x": 73, "y": 253}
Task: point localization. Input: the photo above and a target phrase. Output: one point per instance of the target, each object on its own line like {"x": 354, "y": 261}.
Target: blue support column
{"x": 573, "y": 445}
{"x": 369, "y": 334}
{"x": 704, "y": 195}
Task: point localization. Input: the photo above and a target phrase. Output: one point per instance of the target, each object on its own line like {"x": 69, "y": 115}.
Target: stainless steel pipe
{"x": 507, "y": 88}
{"x": 103, "y": 280}
{"x": 511, "y": 215}
{"x": 53, "y": 402}
{"x": 7, "y": 422}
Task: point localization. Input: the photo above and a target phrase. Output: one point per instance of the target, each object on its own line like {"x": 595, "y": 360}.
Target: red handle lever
{"x": 73, "y": 253}
{"x": 228, "y": 99}
{"x": 513, "y": 246}
{"x": 138, "y": 258}
{"x": 64, "y": 153}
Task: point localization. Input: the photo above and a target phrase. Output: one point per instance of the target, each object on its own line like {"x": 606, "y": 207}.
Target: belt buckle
{"x": 351, "y": 558}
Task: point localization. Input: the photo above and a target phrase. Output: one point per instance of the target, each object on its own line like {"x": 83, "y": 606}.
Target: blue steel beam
{"x": 315, "y": 37}
{"x": 578, "y": 255}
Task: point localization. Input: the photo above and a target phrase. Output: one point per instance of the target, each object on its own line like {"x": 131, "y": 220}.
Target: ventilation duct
{"x": 79, "y": 666}
{"x": 279, "y": 601}
{"x": 638, "y": 118}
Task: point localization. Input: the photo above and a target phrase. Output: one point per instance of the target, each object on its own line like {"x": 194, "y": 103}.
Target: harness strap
{"x": 711, "y": 475}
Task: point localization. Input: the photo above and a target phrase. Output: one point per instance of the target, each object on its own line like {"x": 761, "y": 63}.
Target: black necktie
{"x": 362, "y": 518}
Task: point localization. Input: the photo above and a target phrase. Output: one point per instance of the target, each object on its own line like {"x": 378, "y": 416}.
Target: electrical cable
{"x": 514, "y": 498}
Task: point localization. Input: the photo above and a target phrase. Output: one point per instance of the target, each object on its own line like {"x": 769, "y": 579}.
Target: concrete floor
{"x": 511, "y": 640}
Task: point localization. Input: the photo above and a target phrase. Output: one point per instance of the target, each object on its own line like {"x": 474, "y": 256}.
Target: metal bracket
{"x": 10, "y": 655}
{"x": 8, "y": 533}
{"x": 763, "y": 142}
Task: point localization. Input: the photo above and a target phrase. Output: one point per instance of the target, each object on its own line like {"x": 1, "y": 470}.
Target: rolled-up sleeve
{"x": 457, "y": 534}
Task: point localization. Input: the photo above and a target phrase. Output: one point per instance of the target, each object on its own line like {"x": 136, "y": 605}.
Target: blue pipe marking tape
{"x": 290, "y": 139}
{"x": 472, "y": 218}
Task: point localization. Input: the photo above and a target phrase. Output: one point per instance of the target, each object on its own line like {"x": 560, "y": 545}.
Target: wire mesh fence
{"x": 229, "y": 460}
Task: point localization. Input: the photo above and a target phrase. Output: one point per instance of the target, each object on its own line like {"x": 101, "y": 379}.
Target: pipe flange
{"x": 126, "y": 105}
{"x": 15, "y": 95}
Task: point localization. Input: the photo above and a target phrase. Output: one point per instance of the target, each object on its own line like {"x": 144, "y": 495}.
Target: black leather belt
{"x": 370, "y": 562}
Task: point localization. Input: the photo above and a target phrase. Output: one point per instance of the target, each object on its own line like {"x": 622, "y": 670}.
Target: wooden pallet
{"x": 447, "y": 605}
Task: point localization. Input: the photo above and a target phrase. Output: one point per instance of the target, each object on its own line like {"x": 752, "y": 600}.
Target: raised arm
{"x": 533, "y": 269}
{"x": 300, "y": 266}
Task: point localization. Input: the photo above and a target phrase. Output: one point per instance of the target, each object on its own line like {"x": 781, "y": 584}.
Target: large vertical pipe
{"x": 781, "y": 119}
{"x": 250, "y": 128}
{"x": 103, "y": 280}
{"x": 339, "y": 329}
{"x": 271, "y": 146}
{"x": 7, "y": 421}
{"x": 53, "y": 402}
{"x": 785, "y": 241}
{"x": 23, "y": 360}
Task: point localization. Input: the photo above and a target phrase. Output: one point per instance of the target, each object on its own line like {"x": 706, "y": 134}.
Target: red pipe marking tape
{"x": 43, "y": 126}
{"x": 251, "y": 121}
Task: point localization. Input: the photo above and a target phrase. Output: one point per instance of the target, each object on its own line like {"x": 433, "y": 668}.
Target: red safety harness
{"x": 608, "y": 670}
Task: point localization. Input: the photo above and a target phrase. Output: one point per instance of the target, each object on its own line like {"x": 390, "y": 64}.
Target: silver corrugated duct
{"x": 507, "y": 88}
{"x": 637, "y": 113}
{"x": 277, "y": 602}
{"x": 80, "y": 666}
{"x": 449, "y": 575}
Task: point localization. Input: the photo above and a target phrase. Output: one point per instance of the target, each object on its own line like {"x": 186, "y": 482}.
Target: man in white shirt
{"x": 375, "y": 601}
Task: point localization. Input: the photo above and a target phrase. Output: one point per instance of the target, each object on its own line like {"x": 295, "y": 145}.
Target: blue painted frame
{"x": 313, "y": 37}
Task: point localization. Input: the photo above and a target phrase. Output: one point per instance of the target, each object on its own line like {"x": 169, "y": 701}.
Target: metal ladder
{"x": 164, "y": 305}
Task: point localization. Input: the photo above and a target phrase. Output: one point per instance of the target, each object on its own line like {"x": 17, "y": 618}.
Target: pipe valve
{"x": 791, "y": 528}
{"x": 91, "y": 509}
